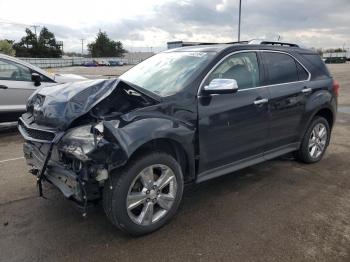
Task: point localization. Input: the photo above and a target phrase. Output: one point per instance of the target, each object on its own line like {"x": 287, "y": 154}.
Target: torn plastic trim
{"x": 92, "y": 146}
{"x": 42, "y": 171}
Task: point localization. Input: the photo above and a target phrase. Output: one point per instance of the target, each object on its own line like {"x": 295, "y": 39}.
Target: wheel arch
{"x": 173, "y": 148}
{"x": 324, "y": 111}
{"x": 327, "y": 114}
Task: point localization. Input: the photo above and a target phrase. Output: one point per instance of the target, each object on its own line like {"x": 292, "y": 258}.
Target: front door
{"x": 233, "y": 127}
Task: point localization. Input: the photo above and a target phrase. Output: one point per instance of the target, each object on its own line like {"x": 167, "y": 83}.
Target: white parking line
{"x": 11, "y": 159}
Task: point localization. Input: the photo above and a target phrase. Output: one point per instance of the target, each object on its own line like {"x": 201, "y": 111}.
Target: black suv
{"x": 185, "y": 115}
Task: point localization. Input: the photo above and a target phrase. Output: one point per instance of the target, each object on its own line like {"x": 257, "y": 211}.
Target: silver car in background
{"x": 18, "y": 80}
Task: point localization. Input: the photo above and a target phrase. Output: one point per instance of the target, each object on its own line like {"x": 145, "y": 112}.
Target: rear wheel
{"x": 145, "y": 194}
{"x": 315, "y": 141}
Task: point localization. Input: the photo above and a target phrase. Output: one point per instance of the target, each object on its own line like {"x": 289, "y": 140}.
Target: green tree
{"x": 336, "y": 50}
{"x": 27, "y": 45}
{"x": 339, "y": 50}
{"x": 103, "y": 46}
{"x": 43, "y": 46}
{"x": 47, "y": 44}
{"x": 6, "y": 47}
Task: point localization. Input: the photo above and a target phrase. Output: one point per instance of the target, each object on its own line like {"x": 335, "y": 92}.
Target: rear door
{"x": 288, "y": 86}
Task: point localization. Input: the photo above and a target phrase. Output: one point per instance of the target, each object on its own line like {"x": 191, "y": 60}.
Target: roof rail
{"x": 265, "y": 42}
{"x": 238, "y": 42}
{"x": 231, "y": 43}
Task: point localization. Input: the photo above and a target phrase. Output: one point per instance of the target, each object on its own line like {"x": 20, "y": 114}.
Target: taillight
{"x": 336, "y": 87}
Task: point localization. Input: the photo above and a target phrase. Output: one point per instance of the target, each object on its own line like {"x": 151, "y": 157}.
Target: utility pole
{"x": 239, "y": 20}
{"x": 35, "y": 27}
{"x": 82, "y": 46}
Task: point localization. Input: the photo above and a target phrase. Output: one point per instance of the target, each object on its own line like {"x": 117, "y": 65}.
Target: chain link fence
{"x": 76, "y": 61}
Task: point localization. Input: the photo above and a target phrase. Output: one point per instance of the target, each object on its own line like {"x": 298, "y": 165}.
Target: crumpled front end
{"x": 77, "y": 135}
{"x": 63, "y": 129}
{"x": 66, "y": 143}
{"x": 77, "y": 161}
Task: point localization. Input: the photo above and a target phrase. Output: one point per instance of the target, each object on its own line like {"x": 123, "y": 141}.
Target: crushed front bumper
{"x": 52, "y": 157}
{"x": 64, "y": 179}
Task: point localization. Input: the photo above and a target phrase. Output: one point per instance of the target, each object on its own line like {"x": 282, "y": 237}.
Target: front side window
{"x": 282, "y": 68}
{"x": 242, "y": 67}
{"x": 12, "y": 71}
{"x": 167, "y": 73}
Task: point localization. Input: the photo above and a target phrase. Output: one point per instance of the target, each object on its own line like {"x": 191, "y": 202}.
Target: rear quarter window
{"x": 318, "y": 67}
{"x": 302, "y": 73}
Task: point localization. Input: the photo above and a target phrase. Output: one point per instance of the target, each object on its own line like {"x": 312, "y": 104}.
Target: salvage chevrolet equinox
{"x": 182, "y": 116}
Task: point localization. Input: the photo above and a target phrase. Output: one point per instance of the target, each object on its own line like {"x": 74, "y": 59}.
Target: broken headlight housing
{"x": 80, "y": 141}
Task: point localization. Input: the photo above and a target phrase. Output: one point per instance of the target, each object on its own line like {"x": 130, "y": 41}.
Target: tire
{"x": 305, "y": 152}
{"x": 122, "y": 188}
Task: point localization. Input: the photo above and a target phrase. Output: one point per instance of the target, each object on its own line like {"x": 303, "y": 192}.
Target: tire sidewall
{"x": 121, "y": 190}
{"x": 305, "y": 155}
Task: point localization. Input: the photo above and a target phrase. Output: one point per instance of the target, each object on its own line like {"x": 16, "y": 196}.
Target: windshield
{"x": 166, "y": 73}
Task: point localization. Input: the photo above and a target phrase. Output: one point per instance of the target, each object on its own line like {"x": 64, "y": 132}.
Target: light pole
{"x": 239, "y": 20}
{"x": 82, "y": 46}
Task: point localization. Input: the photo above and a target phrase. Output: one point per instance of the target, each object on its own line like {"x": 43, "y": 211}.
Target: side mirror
{"x": 221, "y": 86}
{"x": 36, "y": 78}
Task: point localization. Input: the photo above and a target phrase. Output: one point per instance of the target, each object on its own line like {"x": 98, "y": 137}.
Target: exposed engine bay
{"x": 119, "y": 102}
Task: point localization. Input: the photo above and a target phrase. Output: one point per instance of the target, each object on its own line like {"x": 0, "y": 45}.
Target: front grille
{"x": 35, "y": 134}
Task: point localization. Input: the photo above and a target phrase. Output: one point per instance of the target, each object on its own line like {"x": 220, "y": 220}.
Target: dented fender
{"x": 132, "y": 135}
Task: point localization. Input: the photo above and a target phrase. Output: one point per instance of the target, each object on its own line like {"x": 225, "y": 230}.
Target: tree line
{"x": 45, "y": 45}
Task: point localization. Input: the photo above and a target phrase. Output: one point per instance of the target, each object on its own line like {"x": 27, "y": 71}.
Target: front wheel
{"x": 145, "y": 194}
{"x": 315, "y": 141}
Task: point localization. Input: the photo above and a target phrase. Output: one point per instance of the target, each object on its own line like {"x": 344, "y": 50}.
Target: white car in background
{"x": 18, "y": 80}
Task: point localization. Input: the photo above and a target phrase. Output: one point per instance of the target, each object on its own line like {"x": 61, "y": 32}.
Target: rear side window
{"x": 281, "y": 68}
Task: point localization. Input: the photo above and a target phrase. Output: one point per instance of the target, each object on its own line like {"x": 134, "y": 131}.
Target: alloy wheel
{"x": 151, "y": 194}
{"x": 317, "y": 140}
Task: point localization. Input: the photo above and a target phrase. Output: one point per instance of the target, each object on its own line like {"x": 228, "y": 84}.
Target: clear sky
{"x": 151, "y": 23}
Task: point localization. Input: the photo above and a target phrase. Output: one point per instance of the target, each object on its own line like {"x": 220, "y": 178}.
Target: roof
{"x": 237, "y": 47}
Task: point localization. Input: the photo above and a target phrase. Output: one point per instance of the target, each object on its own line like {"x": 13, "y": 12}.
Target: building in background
{"x": 336, "y": 57}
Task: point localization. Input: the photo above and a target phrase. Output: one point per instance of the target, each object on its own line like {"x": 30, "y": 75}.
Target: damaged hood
{"x": 58, "y": 106}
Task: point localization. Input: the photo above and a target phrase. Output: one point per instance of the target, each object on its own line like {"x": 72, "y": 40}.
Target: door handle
{"x": 3, "y": 87}
{"x": 261, "y": 101}
{"x": 306, "y": 90}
